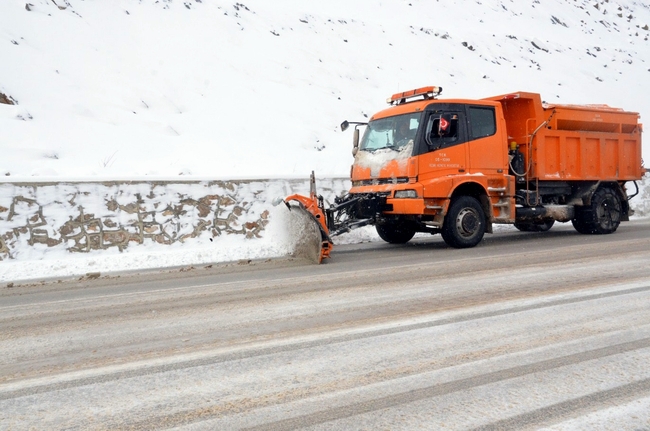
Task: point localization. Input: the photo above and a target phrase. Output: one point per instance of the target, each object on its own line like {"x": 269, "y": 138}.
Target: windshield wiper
{"x": 390, "y": 147}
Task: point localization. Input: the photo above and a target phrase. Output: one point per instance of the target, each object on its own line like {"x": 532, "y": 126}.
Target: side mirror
{"x": 345, "y": 125}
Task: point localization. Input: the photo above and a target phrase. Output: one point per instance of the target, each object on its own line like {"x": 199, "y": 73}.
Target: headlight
{"x": 404, "y": 194}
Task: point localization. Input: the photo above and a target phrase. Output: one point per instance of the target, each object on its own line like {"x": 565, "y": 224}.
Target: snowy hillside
{"x": 128, "y": 88}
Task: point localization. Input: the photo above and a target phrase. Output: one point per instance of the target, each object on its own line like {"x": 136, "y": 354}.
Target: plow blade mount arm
{"x": 347, "y": 213}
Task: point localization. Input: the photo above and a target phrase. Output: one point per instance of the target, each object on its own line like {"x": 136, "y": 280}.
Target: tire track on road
{"x": 390, "y": 401}
{"x": 70, "y": 381}
{"x": 556, "y": 413}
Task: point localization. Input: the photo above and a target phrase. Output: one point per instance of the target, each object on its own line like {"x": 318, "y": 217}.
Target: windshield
{"x": 392, "y": 132}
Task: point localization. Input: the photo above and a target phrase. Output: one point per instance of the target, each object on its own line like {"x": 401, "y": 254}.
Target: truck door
{"x": 488, "y": 156}
{"x": 441, "y": 152}
{"x": 487, "y": 148}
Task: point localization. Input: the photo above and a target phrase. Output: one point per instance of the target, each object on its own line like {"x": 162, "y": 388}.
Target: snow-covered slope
{"x": 127, "y": 88}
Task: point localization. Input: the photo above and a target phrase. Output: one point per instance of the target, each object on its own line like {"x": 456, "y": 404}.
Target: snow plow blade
{"x": 315, "y": 244}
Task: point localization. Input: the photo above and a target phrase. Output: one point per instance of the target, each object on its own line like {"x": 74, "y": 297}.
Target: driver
{"x": 404, "y": 134}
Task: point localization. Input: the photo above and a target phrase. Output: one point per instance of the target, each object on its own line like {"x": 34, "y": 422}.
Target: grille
{"x": 381, "y": 181}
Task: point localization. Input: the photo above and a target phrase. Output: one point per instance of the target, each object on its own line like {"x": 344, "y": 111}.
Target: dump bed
{"x": 573, "y": 142}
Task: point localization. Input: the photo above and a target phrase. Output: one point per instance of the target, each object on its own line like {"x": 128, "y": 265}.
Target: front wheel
{"x": 395, "y": 233}
{"x": 464, "y": 224}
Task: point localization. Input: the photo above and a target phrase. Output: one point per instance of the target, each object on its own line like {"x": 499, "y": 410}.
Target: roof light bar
{"x": 511, "y": 96}
{"x": 426, "y": 92}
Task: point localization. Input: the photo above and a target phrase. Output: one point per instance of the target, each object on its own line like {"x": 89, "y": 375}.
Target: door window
{"x": 482, "y": 122}
{"x": 442, "y": 129}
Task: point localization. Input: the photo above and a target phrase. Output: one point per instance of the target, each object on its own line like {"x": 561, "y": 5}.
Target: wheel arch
{"x": 478, "y": 192}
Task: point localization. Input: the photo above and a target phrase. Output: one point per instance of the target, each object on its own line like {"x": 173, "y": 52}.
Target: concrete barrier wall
{"x": 84, "y": 216}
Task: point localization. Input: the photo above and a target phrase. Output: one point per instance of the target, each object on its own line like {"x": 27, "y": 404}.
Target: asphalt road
{"x": 526, "y": 331}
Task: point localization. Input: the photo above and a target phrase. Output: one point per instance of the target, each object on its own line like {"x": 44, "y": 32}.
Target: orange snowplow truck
{"x": 457, "y": 166}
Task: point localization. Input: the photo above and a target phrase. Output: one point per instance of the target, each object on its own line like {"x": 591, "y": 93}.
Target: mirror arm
{"x": 346, "y": 124}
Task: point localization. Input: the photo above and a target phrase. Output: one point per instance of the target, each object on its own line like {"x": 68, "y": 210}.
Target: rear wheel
{"x": 395, "y": 233}
{"x": 603, "y": 215}
{"x": 535, "y": 227}
{"x": 464, "y": 224}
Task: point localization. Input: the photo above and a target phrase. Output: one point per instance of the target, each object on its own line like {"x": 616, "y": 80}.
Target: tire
{"x": 464, "y": 224}
{"x": 580, "y": 226}
{"x": 535, "y": 227}
{"x": 395, "y": 233}
{"x": 603, "y": 215}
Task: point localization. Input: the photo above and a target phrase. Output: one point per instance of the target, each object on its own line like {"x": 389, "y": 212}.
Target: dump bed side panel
{"x": 563, "y": 155}
{"x": 593, "y": 142}
{"x": 574, "y": 142}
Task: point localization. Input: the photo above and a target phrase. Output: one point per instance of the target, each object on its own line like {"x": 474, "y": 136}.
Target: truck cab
{"x": 453, "y": 146}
